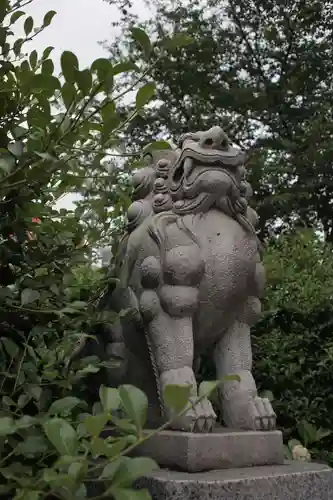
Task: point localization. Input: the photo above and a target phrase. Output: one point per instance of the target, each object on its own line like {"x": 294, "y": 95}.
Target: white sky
{"x": 78, "y": 26}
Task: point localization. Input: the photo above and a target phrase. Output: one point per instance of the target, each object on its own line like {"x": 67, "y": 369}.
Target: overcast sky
{"x": 78, "y": 26}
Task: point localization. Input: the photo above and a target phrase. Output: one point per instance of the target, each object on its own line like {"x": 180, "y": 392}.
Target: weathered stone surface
{"x": 291, "y": 481}
{"x": 222, "y": 449}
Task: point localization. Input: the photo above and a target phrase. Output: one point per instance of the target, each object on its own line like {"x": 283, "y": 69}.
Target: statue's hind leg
{"x": 167, "y": 304}
{"x": 241, "y": 406}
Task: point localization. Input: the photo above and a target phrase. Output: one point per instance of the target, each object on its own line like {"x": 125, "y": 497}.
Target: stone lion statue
{"x": 190, "y": 265}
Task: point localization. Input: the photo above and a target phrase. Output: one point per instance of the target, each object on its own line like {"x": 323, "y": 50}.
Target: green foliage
{"x": 60, "y": 450}
{"x": 56, "y": 133}
{"x": 293, "y": 341}
{"x": 263, "y": 71}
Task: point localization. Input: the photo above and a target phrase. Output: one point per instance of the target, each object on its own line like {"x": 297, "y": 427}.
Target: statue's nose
{"x": 214, "y": 138}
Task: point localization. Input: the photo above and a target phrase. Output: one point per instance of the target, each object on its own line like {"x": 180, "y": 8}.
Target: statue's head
{"x": 208, "y": 171}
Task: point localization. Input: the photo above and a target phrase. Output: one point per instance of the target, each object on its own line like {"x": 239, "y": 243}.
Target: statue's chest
{"x": 230, "y": 255}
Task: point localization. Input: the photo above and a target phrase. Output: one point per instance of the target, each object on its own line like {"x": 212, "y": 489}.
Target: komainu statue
{"x": 191, "y": 266}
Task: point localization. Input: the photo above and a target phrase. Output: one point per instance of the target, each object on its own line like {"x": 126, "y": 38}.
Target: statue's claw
{"x": 200, "y": 418}
{"x": 265, "y": 419}
{"x": 254, "y": 414}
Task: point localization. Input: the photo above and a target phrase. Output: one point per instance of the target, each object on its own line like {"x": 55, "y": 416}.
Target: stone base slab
{"x": 291, "y": 481}
{"x": 222, "y": 449}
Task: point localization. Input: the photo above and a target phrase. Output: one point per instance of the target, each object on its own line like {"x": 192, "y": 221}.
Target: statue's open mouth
{"x": 192, "y": 174}
{"x": 195, "y": 162}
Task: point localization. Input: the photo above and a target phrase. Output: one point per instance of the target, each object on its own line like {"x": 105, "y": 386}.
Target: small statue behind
{"x": 191, "y": 267}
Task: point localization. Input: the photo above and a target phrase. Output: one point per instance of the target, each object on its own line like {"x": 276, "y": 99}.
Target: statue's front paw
{"x": 249, "y": 413}
{"x": 199, "y": 418}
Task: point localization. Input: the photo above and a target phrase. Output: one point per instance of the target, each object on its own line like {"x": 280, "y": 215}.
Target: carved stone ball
{"x": 179, "y": 300}
{"x": 183, "y": 265}
{"x": 142, "y": 182}
{"x": 150, "y": 305}
{"x": 162, "y": 168}
{"x": 160, "y": 186}
{"x": 150, "y": 272}
{"x": 134, "y": 210}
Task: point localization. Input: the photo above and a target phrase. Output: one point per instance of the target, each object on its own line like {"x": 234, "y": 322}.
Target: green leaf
{"x": 207, "y": 388}
{"x": 177, "y": 41}
{"x": 109, "y": 397}
{"x": 94, "y": 424}
{"x": 25, "y": 422}
{"x": 156, "y": 146}
{"x": 322, "y": 433}
{"x": 104, "y": 71}
{"x": 20, "y": 132}
{"x": 111, "y": 468}
{"x": 17, "y": 46}
{"x": 23, "y": 400}
{"x": 131, "y": 470}
{"x": 28, "y": 25}
{"x": 145, "y": 94}
{"x": 48, "y": 17}
{"x": 287, "y": 453}
{"x": 16, "y": 148}
{"x": 231, "y": 378}
{"x": 307, "y": 432}
{"x": 28, "y": 296}
{"x": 102, "y": 66}
{"x": 292, "y": 443}
{"x": 142, "y": 38}
{"x": 62, "y": 435}
{"x": 109, "y": 116}
{"x": 64, "y": 405}
{"x": 47, "y": 52}
{"x": 84, "y": 81}
{"x": 33, "y": 59}
{"x": 75, "y": 469}
{"x": 7, "y": 426}
{"x": 33, "y": 445}
{"x": 124, "y": 67}
{"x": 44, "y": 82}
{"x": 3, "y": 37}
{"x": 27, "y": 495}
{"x": 129, "y": 494}
{"x": 7, "y": 162}
{"x": 69, "y": 65}
{"x": 10, "y": 346}
{"x": 15, "y": 16}
{"x": 135, "y": 404}
{"x": 48, "y": 66}
{"x": 118, "y": 445}
{"x": 177, "y": 397}
{"x": 268, "y": 395}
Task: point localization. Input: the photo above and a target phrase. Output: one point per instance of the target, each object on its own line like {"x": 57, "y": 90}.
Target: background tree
{"x": 262, "y": 69}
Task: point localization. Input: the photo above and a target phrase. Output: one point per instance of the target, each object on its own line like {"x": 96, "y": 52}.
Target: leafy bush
{"x": 55, "y": 135}
{"x": 293, "y": 345}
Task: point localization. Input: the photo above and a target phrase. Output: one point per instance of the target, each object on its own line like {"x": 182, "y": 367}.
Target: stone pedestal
{"x": 222, "y": 449}
{"x": 291, "y": 481}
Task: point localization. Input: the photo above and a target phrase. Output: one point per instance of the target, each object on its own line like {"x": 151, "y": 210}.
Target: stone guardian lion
{"x": 191, "y": 267}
